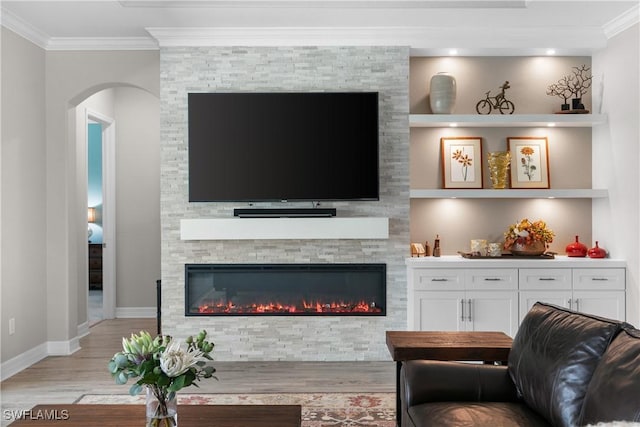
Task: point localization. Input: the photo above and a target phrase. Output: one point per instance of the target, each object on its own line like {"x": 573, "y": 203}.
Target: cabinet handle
{"x": 547, "y": 279}
{"x": 469, "y": 317}
{"x": 599, "y": 279}
{"x": 492, "y": 279}
{"x": 577, "y": 304}
{"x": 462, "y": 310}
{"x": 439, "y": 279}
{"x": 570, "y": 303}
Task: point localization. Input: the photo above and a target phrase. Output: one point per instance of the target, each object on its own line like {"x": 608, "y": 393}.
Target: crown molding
{"x": 429, "y": 41}
{"x": 623, "y": 22}
{"x": 102, "y": 43}
{"x": 44, "y": 41}
{"x": 23, "y": 28}
{"x": 334, "y": 4}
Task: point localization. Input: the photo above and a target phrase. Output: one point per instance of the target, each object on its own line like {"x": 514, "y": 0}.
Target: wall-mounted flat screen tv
{"x": 311, "y": 146}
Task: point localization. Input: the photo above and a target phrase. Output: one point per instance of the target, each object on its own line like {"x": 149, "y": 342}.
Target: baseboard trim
{"x": 135, "y": 312}
{"x": 63, "y": 348}
{"x": 23, "y": 361}
{"x": 36, "y": 354}
{"x": 83, "y": 329}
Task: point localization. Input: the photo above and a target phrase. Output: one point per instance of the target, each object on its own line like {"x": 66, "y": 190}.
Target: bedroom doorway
{"x": 100, "y": 137}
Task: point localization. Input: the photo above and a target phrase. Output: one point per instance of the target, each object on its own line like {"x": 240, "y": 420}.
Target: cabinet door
{"x": 609, "y": 304}
{"x": 529, "y": 298}
{"x": 438, "y": 311}
{"x": 492, "y": 311}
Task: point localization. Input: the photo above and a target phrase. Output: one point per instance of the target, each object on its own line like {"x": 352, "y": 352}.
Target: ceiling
{"x": 429, "y": 26}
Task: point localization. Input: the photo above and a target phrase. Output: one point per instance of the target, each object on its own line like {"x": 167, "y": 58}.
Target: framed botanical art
{"x": 461, "y": 162}
{"x": 529, "y": 161}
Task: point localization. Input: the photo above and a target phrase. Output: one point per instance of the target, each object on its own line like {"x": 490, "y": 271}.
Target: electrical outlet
{"x": 12, "y": 326}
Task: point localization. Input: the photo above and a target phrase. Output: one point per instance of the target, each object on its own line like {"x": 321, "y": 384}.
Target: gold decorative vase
{"x": 499, "y": 162}
{"x": 534, "y": 248}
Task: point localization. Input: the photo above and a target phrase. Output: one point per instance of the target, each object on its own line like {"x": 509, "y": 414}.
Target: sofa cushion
{"x": 614, "y": 391}
{"x": 474, "y": 414}
{"x": 553, "y": 357}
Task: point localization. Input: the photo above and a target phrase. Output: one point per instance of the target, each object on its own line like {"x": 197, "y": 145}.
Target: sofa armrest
{"x": 425, "y": 381}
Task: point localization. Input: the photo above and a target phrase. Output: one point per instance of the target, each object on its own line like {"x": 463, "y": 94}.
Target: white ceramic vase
{"x": 442, "y": 93}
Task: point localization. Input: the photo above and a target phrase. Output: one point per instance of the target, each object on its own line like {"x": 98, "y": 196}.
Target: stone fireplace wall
{"x": 202, "y": 69}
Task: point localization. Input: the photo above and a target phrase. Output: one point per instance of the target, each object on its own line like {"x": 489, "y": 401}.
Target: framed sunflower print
{"x": 529, "y": 161}
{"x": 461, "y": 162}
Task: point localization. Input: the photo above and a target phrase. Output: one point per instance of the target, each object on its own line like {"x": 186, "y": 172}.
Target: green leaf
{"x": 135, "y": 389}
{"x": 121, "y": 378}
{"x": 163, "y": 380}
{"x": 178, "y": 383}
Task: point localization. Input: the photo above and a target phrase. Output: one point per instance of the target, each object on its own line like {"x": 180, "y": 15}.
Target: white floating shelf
{"x": 510, "y": 194}
{"x": 504, "y": 120}
{"x": 284, "y": 228}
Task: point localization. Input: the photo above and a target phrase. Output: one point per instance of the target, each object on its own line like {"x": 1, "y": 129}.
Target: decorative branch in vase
{"x": 577, "y": 85}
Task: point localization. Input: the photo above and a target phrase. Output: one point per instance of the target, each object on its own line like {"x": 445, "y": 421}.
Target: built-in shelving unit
{"x": 502, "y": 120}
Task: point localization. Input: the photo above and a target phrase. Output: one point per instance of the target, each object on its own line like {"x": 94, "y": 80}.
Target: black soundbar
{"x": 284, "y": 213}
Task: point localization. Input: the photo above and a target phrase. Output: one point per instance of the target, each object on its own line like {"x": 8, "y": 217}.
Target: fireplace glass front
{"x": 285, "y": 289}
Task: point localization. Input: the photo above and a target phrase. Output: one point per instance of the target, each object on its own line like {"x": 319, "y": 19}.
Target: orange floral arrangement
{"x": 525, "y": 231}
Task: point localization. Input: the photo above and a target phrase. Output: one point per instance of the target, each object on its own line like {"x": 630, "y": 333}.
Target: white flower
{"x": 175, "y": 361}
{"x": 522, "y": 233}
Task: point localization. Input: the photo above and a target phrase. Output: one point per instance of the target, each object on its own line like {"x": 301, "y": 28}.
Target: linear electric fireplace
{"x": 285, "y": 289}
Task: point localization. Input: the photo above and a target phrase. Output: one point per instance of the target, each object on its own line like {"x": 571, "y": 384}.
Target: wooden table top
{"x": 71, "y": 415}
{"x": 439, "y": 345}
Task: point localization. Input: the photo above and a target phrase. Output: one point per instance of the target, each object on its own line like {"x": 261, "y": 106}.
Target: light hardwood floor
{"x": 64, "y": 379}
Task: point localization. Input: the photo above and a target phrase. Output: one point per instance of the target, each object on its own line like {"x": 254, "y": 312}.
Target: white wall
{"x": 137, "y": 115}
{"x": 23, "y": 192}
{"x": 44, "y": 220}
{"x": 71, "y": 78}
{"x": 616, "y": 156}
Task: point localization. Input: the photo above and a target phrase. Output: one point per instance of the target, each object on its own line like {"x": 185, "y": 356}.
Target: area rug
{"x": 318, "y": 409}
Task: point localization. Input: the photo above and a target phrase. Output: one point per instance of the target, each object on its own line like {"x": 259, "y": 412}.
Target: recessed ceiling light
{"x": 551, "y": 125}
{"x": 551, "y": 51}
{"x": 453, "y": 125}
{"x": 453, "y": 52}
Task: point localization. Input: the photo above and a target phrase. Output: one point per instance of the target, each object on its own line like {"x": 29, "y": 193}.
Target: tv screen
{"x": 283, "y": 146}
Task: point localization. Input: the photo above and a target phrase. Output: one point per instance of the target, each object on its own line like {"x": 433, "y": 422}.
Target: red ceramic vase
{"x": 576, "y": 249}
{"x": 597, "y": 252}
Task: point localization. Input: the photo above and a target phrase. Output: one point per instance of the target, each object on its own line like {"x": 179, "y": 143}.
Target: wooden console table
{"x": 188, "y": 415}
{"x": 434, "y": 345}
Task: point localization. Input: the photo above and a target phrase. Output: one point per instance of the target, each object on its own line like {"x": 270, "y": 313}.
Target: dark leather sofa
{"x": 564, "y": 369}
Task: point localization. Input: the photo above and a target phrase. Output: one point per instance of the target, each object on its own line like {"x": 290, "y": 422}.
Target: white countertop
{"x": 560, "y": 261}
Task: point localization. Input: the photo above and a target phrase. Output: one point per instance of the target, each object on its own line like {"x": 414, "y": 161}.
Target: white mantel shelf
{"x": 284, "y": 228}
{"x": 457, "y": 261}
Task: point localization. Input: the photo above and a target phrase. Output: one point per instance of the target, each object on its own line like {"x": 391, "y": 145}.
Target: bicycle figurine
{"x": 498, "y": 102}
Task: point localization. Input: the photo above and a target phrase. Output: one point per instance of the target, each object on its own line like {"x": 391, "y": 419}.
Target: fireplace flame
{"x": 229, "y": 307}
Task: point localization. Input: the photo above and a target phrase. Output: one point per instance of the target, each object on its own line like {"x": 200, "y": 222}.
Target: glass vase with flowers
{"x": 163, "y": 366}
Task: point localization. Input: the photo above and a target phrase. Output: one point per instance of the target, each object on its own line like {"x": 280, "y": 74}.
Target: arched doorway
{"x": 131, "y": 251}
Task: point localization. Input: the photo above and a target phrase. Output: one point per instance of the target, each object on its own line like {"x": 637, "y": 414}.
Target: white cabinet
{"x": 454, "y": 294}
{"x": 464, "y": 300}
{"x": 599, "y": 291}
